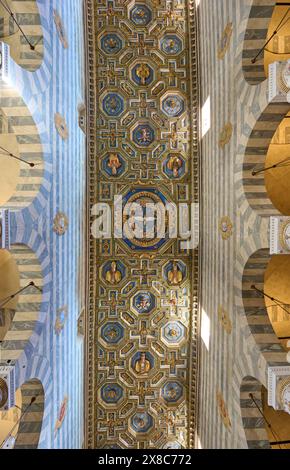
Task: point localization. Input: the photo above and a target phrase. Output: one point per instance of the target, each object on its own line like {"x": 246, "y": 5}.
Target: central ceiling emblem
{"x": 142, "y": 74}
{"x": 145, "y": 229}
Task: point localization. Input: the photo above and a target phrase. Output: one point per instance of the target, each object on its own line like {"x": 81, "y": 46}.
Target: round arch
{"x": 254, "y": 425}
{"x": 255, "y": 37}
{"x": 32, "y": 415}
{"x": 256, "y": 152}
{"x": 21, "y": 317}
{"x": 21, "y": 174}
{"x": 264, "y": 427}
{"x": 270, "y": 347}
{"x": 276, "y": 285}
{"x": 25, "y": 41}
{"x": 20, "y": 427}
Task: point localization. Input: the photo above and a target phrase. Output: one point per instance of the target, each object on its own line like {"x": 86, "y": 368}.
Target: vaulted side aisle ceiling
{"x": 143, "y": 344}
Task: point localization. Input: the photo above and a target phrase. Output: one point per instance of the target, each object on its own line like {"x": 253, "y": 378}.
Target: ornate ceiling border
{"x": 195, "y": 123}
{"x": 90, "y": 325}
{"x": 89, "y": 378}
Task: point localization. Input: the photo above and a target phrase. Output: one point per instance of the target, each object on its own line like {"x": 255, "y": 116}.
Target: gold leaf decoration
{"x": 226, "y": 135}
{"x": 225, "y": 320}
{"x": 226, "y": 227}
{"x": 223, "y": 411}
{"x": 225, "y": 41}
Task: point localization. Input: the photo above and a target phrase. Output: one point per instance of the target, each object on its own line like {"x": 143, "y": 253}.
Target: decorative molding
{"x": 280, "y": 235}
{"x": 81, "y": 323}
{"x": 7, "y": 387}
{"x": 5, "y": 229}
{"x": 279, "y": 82}
{"x": 279, "y": 388}
{"x": 90, "y": 64}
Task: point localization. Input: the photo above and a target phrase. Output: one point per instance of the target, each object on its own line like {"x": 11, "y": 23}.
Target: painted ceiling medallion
{"x": 173, "y": 105}
{"x": 112, "y": 393}
{"x": 111, "y": 43}
{"x": 171, "y": 44}
{"x": 174, "y": 166}
{"x": 113, "y": 165}
{"x": 113, "y": 272}
{"x": 60, "y": 29}
{"x": 225, "y": 320}
{"x": 175, "y": 273}
{"x": 172, "y": 392}
{"x": 144, "y": 302}
{"x": 142, "y": 74}
{"x": 226, "y": 135}
{"x": 61, "y": 126}
{"x": 60, "y": 223}
{"x": 226, "y": 228}
{"x": 142, "y": 422}
{"x": 112, "y": 332}
{"x": 141, "y": 15}
{"x": 173, "y": 332}
{"x": 61, "y": 415}
{"x": 61, "y": 317}
{"x": 142, "y": 363}
{"x": 225, "y": 41}
{"x": 113, "y": 104}
{"x": 143, "y": 135}
{"x": 223, "y": 411}
{"x": 145, "y": 241}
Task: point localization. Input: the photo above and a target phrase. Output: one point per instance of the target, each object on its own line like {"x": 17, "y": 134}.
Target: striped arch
{"x": 19, "y": 338}
{"x": 36, "y": 83}
{"x": 255, "y": 156}
{"x": 255, "y": 37}
{"x": 31, "y": 424}
{"x": 28, "y": 17}
{"x": 253, "y": 422}
{"x": 256, "y": 311}
{"x": 16, "y": 120}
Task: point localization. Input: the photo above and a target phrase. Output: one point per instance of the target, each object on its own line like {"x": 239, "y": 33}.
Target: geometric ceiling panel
{"x": 142, "y": 276}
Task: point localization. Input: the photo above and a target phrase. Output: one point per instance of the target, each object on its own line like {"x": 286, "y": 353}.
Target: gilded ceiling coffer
{"x": 145, "y": 152}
